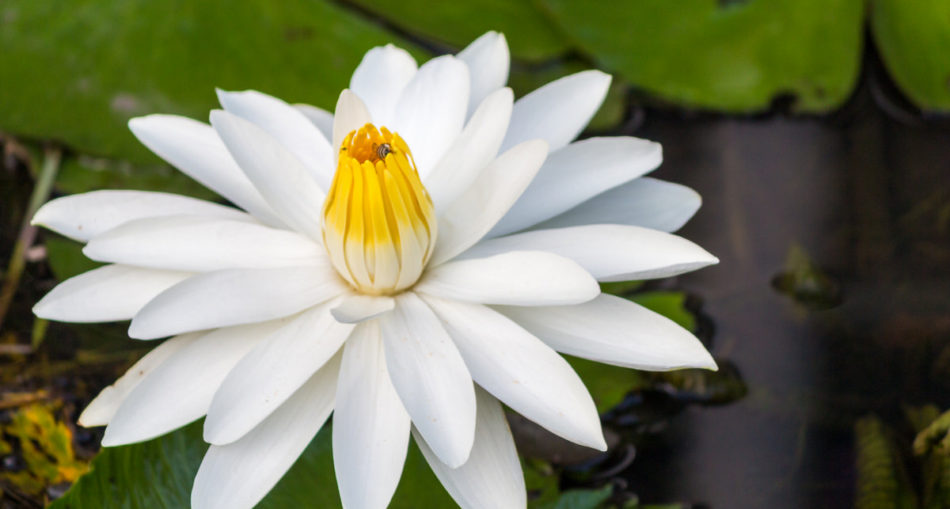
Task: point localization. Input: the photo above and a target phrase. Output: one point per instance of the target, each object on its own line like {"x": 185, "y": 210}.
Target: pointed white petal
{"x": 370, "y": 425}
{"x": 615, "y": 331}
{"x": 576, "y": 173}
{"x": 320, "y": 117}
{"x": 272, "y": 371}
{"x": 520, "y": 278}
{"x": 239, "y": 475}
{"x": 195, "y": 148}
{"x": 492, "y": 475}
{"x": 521, "y": 371}
{"x": 472, "y": 151}
{"x": 83, "y": 216}
{"x": 288, "y": 126}
{"x": 107, "y": 294}
{"x": 380, "y": 78}
{"x": 487, "y": 200}
{"x": 234, "y": 297}
{"x": 200, "y": 244}
{"x": 558, "y": 111}
{"x": 278, "y": 175}
{"x": 610, "y": 252}
{"x": 350, "y": 115}
{"x": 647, "y": 202}
{"x": 431, "y": 379}
{"x": 357, "y": 308}
{"x": 180, "y": 389}
{"x": 100, "y": 411}
{"x": 488, "y": 61}
{"x": 431, "y": 110}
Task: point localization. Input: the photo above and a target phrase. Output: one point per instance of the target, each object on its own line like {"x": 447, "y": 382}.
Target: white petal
{"x": 488, "y": 61}
{"x": 100, "y": 411}
{"x": 522, "y": 372}
{"x": 370, "y": 425}
{"x": 487, "y": 200}
{"x": 320, "y": 117}
{"x": 380, "y": 78}
{"x": 272, "y": 371}
{"x": 615, "y": 331}
{"x": 431, "y": 110}
{"x": 350, "y": 115}
{"x": 107, "y": 294}
{"x": 278, "y": 175}
{"x": 234, "y": 297}
{"x": 578, "y": 172}
{"x": 647, "y": 202}
{"x": 358, "y": 308}
{"x": 83, "y": 216}
{"x": 609, "y": 252}
{"x": 472, "y": 151}
{"x": 431, "y": 379}
{"x": 239, "y": 475}
{"x": 558, "y": 111}
{"x": 195, "y": 148}
{"x": 520, "y": 278}
{"x": 492, "y": 475}
{"x": 200, "y": 244}
{"x": 180, "y": 389}
{"x": 288, "y": 126}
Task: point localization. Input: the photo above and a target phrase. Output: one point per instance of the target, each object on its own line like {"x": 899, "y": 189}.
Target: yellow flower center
{"x": 379, "y": 226}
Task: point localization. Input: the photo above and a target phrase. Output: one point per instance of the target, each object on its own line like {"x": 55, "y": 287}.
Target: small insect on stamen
{"x": 383, "y": 150}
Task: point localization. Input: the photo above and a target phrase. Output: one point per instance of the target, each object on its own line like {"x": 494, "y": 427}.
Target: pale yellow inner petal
{"x": 379, "y": 226}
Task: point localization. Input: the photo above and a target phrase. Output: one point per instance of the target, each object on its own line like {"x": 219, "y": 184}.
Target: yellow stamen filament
{"x": 378, "y": 222}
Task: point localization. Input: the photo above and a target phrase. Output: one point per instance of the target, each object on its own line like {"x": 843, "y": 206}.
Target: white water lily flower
{"x": 407, "y": 263}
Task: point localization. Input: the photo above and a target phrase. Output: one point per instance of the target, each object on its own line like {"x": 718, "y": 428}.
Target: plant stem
{"x": 41, "y": 192}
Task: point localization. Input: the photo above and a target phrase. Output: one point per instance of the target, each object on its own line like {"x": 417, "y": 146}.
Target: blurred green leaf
{"x": 65, "y": 257}
{"x": 882, "y": 480}
{"x": 736, "y": 57}
{"x": 529, "y": 32}
{"x": 578, "y": 499}
{"x": 159, "y": 474}
{"x": 607, "y": 384}
{"x": 77, "y": 72}
{"x": 914, "y": 41}
{"x": 669, "y": 304}
{"x": 83, "y": 174}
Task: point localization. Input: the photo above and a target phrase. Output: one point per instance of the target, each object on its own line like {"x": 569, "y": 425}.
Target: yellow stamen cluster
{"x": 379, "y": 226}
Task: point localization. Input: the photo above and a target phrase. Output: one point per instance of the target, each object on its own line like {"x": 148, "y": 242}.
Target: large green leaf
{"x": 158, "y": 474}
{"x": 608, "y": 385}
{"x": 529, "y": 32}
{"x": 77, "y": 71}
{"x": 735, "y": 56}
{"x": 914, "y": 40}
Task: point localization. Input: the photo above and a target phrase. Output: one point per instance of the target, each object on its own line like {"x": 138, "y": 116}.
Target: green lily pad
{"x": 669, "y": 304}
{"x": 734, "y": 57}
{"x": 78, "y": 72}
{"x": 608, "y": 385}
{"x": 914, "y": 42}
{"x": 65, "y": 257}
{"x": 159, "y": 474}
{"x": 528, "y": 30}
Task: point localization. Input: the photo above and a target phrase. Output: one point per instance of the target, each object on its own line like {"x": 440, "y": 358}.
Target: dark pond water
{"x": 867, "y": 199}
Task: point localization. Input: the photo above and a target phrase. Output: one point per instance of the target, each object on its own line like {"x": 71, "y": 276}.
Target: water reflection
{"x": 867, "y": 201}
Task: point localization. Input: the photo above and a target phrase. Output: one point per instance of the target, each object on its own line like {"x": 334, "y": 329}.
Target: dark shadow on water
{"x": 867, "y": 200}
